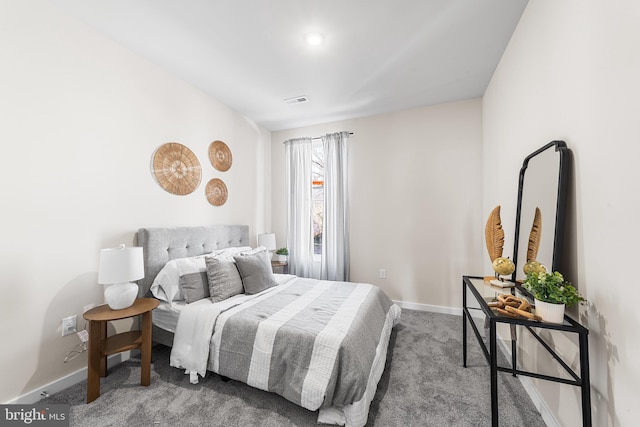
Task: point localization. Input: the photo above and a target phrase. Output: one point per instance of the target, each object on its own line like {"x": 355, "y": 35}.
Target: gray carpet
{"x": 424, "y": 384}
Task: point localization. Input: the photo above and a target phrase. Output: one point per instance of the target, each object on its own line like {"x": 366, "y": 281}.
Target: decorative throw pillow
{"x": 193, "y": 278}
{"x": 182, "y": 279}
{"x": 224, "y": 279}
{"x": 195, "y": 286}
{"x": 255, "y": 271}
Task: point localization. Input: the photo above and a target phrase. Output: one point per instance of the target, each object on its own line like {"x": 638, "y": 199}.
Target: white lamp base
{"x": 120, "y": 295}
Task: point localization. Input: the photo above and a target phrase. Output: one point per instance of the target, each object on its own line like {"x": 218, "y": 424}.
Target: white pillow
{"x": 227, "y": 254}
{"x": 254, "y": 251}
{"x": 163, "y": 286}
{"x": 166, "y": 286}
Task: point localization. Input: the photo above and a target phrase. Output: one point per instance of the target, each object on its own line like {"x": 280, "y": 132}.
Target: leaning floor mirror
{"x": 540, "y": 213}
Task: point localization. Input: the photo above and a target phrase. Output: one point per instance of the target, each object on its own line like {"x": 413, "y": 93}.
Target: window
{"x": 317, "y": 187}
{"x": 317, "y": 171}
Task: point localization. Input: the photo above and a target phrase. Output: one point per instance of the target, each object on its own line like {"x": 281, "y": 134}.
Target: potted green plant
{"x": 552, "y": 293}
{"x": 282, "y": 254}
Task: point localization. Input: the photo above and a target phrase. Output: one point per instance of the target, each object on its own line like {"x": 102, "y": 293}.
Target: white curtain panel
{"x": 335, "y": 247}
{"x": 299, "y": 206}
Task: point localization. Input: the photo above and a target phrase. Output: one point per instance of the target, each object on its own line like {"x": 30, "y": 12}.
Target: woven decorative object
{"x": 216, "y": 192}
{"x": 176, "y": 168}
{"x": 220, "y": 156}
{"x": 513, "y": 307}
{"x": 534, "y": 236}
{"x": 494, "y": 234}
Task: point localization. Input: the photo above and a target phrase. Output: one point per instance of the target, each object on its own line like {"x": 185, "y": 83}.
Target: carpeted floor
{"x": 424, "y": 384}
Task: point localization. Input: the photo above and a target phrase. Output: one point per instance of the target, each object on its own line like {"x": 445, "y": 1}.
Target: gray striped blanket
{"x": 316, "y": 343}
{"x": 312, "y": 342}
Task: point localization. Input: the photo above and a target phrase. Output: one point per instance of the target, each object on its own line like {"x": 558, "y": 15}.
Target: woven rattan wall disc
{"x": 176, "y": 168}
{"x": 220, "y": 156}
{"x": 216, "y": 192}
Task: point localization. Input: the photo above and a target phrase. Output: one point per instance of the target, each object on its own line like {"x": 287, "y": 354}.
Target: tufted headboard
{"x": 161, "y": 245}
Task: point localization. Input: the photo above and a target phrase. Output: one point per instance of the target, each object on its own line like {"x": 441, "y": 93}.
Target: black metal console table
{"x": 482, "y": 293}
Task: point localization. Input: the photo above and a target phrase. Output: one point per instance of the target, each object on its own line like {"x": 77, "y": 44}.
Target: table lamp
{"x": 118, "y": 268}
{"x": 267, "y": 240}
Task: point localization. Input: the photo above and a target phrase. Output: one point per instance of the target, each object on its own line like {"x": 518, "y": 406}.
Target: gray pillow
{"x": 255, "y": 271}
{"x": 195, "y": 286}
{"x": 224, "y": 279}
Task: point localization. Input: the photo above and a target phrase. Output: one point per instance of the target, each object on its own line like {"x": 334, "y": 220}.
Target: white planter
{"x": 282, "y": 258}
{"x": 550, "y": 313}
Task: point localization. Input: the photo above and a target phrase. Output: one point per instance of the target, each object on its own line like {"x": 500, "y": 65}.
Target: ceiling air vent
{"x": 297, "y": 100}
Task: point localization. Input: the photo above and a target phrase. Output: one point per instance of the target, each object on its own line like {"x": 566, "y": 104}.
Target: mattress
{"x": 165, "y": 316}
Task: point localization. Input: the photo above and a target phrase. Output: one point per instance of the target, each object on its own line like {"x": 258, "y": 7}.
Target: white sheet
{"x": 165, "y": 316}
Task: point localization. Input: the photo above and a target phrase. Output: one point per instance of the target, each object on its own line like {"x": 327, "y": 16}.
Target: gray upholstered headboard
{"x": 161, "y": 245}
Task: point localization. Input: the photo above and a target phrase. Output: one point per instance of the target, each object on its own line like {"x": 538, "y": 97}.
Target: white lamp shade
{"x": 267, "y": 240}
{"x": 120, "y": 265}
{"x": 118, "y": 268}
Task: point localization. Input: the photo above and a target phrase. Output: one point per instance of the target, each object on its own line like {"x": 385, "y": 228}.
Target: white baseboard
{"x": 67, "y": 381}
{"x": 546, "y": 414}
{"x": 428, "y": 307}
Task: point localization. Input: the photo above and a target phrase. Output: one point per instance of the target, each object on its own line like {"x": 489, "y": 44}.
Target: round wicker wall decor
{"x": 216, "y": 192}
{"x": 176, "y": 168}
{"x": 220, "y": 156}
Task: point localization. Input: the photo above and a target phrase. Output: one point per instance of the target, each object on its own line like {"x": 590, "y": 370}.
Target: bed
{"x": 320, "y": 344}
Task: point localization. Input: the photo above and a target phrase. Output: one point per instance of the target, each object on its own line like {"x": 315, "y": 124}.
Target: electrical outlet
{"x": 382, "y": 273}
{"x": 69, "y": 325}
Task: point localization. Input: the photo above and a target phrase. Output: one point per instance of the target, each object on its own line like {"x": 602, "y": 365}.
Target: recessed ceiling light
{"x": 314, "y": 39}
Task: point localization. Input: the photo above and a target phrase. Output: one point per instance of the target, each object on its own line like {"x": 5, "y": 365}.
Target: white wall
{"x": 415, "y": 179}
{"x": 571, "y": 72}
{"x": 80, "y": 118}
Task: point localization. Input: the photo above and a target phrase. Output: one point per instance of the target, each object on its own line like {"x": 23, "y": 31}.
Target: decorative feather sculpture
{"x": 494, "y": 238}
{"x": 534, "y": 236}
{"x": 494, "y": 234}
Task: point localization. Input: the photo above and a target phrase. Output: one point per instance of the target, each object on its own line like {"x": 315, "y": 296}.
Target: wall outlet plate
{"x": 69, "y": 325}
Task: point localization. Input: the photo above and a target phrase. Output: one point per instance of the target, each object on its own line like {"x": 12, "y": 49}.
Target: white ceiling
{"x": 379, "y": 55}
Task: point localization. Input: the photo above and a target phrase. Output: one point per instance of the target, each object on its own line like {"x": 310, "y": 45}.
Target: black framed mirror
{"x": 540, "y": 212}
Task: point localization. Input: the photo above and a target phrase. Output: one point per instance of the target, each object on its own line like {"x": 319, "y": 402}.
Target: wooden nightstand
{"x": 280, "y": 264}
{"x": 100, "y": 346}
